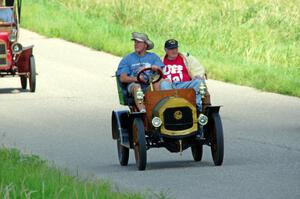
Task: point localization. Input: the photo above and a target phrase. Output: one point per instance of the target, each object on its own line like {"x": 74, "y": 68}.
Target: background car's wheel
{"x": 197, "y": 151}
{"x": 217, "y": 141}
{"x": 139, "y": 143}
{"x": 32, "y": 76}
{"x": 23, "y": 79}
{"x": 123, "y": 153}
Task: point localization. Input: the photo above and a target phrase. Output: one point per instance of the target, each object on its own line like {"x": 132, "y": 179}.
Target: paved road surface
{"x": 67, "y": 120}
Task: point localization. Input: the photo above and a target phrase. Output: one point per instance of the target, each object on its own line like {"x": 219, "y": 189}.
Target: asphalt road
{"x": 67, "y": 121}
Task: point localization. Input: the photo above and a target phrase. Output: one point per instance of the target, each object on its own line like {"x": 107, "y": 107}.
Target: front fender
{"x": 212, "y": 109}
{"x": 119, "y": 122}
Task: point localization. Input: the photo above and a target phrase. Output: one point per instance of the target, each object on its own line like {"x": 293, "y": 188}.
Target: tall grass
{"x": 27, "y": 176}
{"x": 252, "y": 42}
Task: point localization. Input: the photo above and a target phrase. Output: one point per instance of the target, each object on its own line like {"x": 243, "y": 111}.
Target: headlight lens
{"x": 17, "y": 48}
{"x": 202, "y": 119}
{"x": 156, "y": 122}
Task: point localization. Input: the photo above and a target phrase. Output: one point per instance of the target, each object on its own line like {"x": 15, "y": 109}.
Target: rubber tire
{"x": 32, "y": 76}
{"x": 123, "y": 153}
{"x": 197, "y": 152}
{"x": 23, "y": 80}
{"x": 217, "y": 140}
{"x": 139, "y": 144}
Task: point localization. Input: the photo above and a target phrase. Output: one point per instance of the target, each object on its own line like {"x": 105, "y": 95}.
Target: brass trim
{"x": 174, "y": 102}
{"x": 177, "y": 115}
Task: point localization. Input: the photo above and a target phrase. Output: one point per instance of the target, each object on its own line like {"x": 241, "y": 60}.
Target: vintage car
{"x": 15, "y": 60}
{"x": 170, "y": 121}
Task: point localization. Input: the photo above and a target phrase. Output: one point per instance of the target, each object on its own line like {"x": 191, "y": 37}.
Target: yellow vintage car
{"x": 171, "y": 121}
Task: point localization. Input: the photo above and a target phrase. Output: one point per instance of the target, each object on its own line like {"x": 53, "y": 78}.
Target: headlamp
{"x": 202, "y": 119}
{"x": 156, "y": 122}
{"x": 17, "y": 48}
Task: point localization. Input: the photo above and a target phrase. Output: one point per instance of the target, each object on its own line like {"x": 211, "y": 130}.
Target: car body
{"x": 15, "y": 60}
{"x": 171, "y": 121}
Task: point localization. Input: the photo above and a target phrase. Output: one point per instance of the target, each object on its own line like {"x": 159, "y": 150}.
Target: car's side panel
{"x": 23, "y": 60}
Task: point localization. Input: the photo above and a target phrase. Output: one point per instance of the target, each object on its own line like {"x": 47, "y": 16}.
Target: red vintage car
{"x": 15, "y": 60}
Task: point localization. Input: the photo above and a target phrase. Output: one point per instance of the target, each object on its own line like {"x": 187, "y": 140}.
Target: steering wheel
{"x": 153, "y": 78}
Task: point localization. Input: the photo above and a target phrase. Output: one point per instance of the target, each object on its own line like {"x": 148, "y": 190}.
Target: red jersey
{"x": 175, "y": 70}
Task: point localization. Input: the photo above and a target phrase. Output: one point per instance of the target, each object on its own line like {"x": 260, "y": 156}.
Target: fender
{"x": 211, "y": 109}
{"x": 121, "y": 126}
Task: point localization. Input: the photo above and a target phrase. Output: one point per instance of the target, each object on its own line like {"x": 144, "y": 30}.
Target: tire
{"x": 123, "y": 153}
{"x": 197, "y": 152}
{"x": 32, "y": 76}
{"x": 217, "y": 140}
{"x": 23, "y": 79}
{"x": 139, "y": 144}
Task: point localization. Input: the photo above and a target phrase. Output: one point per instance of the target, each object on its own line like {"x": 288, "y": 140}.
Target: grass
{"x": 248, "y": 42}
{"x": 27, "y": 176}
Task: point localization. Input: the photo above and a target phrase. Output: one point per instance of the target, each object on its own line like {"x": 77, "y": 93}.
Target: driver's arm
{"x": 158, "y": 64}
{"x": 124, "y": 78}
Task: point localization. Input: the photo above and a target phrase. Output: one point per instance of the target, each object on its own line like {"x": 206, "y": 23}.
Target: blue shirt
{"x": 132, "y": 63}
{"x": 6, "y": 15}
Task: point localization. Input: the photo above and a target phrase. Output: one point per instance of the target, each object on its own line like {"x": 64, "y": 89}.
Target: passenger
{"x": 6, "y": 14}
{"x": 134, "y": 62}
{"x": 182, "y": 71}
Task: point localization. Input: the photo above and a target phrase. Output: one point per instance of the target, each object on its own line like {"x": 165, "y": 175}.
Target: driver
{"x": 6, "y": 14}
{"x": 134, "y": 62}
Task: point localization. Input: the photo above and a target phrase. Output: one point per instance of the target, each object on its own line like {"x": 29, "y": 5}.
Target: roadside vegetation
{"x": 27, "y": 176}
{"x": 254, "y": 42}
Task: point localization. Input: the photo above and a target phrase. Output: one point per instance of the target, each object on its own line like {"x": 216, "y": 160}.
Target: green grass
{"x": 27, "y": 176}
{"x": 248, "y": 42}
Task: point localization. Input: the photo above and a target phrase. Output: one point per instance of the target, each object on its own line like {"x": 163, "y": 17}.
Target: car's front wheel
{"x": 32, "y": 76}
{"x": 139, "y": 143}
{"x": 217, "y": 140}
{"x": 23, "y": 79}
{"x": 197, "y": 151}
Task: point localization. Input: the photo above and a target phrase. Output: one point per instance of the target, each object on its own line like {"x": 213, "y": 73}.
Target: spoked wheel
{"x": 23, "y": 79}
{"x": 197, "y": 151}
{"x": 32, "y": 76}
{"x": 123, "y": 153}
{"x": 217, "y": 141}
{"x": 139, "y": 143}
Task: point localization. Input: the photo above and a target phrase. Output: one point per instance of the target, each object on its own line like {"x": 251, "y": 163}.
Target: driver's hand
{"x": 142, "y": 78}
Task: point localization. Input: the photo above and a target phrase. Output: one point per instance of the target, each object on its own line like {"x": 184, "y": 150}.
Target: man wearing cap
{"x": 182, "y": 71}
{"x": 132, "y": 63}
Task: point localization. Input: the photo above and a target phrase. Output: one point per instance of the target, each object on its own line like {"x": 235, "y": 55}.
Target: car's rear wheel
{"x": 32, "y": 76}
{"x": 23, "y": 79}
{"x": 139, "y": 143}
{"x": 217, "y": 141}
{"x": 197, "y": 151}
{"x": 123, "y": 153}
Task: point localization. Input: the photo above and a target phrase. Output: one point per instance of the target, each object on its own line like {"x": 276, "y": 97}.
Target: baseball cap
{"x": 171, "y": 44}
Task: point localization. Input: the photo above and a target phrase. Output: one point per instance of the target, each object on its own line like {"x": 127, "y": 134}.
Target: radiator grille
{"x": 2, "y": 49}
{"x": 2, "y": 61}
{"x": 185, "y": 121}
